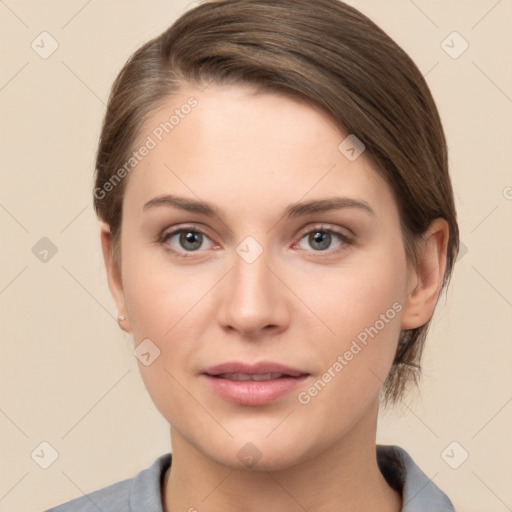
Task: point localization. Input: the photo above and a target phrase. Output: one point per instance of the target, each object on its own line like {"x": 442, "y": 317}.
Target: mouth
{"x": 253, "y": 384}
{"x": 255, "y": 377}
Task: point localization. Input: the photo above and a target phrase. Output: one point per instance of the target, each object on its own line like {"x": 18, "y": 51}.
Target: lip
{"x": 252, "y": 392}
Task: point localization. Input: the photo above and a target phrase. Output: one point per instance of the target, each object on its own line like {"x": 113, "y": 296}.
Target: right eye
{"x": 184, "y": 240}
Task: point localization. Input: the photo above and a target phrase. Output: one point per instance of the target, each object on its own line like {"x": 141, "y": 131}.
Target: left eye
{"x": 320, "y": 239}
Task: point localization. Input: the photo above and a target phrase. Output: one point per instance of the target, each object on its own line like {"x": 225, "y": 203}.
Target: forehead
{"x": 234, "y": 142}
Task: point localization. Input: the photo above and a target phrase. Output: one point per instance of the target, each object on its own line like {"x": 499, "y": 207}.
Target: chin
{"x": 246, "y": 453}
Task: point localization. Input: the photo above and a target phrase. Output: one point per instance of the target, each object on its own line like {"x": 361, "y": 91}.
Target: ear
{"x": 115, "y": 282}
{"x": 425, "y": 281}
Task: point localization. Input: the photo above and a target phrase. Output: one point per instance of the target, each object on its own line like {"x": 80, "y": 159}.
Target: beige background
{"x": 68, "y": 375}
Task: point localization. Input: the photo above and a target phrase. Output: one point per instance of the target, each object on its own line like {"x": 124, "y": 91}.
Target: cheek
{"x": 158, "y": 295}
{"x": 159, "y": 307}
{"x": 165, "y": 304}
{"x": 351, "y": 300}
{"x": 361, "y": 309}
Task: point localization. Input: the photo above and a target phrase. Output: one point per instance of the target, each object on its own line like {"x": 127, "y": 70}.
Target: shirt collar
{"x": 419, "y": 493}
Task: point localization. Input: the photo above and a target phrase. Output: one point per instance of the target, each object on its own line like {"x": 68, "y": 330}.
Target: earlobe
{"x": 426, "y": 280}
{"x": 115, "y": 282}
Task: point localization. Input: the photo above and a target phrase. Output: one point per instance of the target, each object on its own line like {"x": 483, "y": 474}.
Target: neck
{"x": 344, "y": 478}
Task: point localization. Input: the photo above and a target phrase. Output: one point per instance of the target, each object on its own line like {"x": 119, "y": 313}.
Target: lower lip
{"x": 252, "y": 392}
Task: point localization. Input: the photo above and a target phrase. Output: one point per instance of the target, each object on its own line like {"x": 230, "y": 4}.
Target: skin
{"x": 251, "y": 155}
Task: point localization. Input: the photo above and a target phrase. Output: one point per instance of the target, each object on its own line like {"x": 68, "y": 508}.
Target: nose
{"x": 254, "y": 301}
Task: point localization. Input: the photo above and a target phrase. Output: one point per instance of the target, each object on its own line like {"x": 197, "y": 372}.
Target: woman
{"x": 299, "y": 152}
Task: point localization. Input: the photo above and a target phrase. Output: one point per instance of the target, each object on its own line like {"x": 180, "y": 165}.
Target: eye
{"x": 184, "y": 240}
{"x": 321, "y": 238}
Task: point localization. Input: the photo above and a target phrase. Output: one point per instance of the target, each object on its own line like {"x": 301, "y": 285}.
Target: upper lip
{"x": 262, "y": 367}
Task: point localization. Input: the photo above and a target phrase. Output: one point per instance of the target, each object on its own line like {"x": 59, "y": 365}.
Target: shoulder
{"x": 116, "y": 495}
{"x": 419, "y": 492}
{"x": 142, "y": 492}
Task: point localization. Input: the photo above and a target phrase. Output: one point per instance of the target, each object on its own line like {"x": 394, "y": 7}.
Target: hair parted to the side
{"x": 324, "y": 52}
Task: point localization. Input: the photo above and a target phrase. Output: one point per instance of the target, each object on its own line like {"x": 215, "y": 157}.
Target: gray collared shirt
{"x": 143, "y": 492}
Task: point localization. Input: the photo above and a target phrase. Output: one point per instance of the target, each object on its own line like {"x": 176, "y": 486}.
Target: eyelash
{"x": 165, "y": 236}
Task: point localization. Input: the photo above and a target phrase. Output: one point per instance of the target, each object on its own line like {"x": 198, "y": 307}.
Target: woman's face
{"x": 303, "y": 302}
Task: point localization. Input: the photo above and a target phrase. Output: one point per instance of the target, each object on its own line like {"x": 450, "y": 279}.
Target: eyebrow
{"x": 292, "y": 211}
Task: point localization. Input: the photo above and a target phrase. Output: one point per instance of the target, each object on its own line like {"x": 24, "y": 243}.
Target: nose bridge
{"x": 251, "y": 273}
{"x": 253, "y": 298}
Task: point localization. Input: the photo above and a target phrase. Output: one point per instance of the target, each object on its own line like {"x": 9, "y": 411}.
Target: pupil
{"x": 323, "y": 239}
{"x": 192, "y": 238}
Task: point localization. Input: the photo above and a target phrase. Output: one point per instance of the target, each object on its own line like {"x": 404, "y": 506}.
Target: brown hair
{"x": 325, "y": 52}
